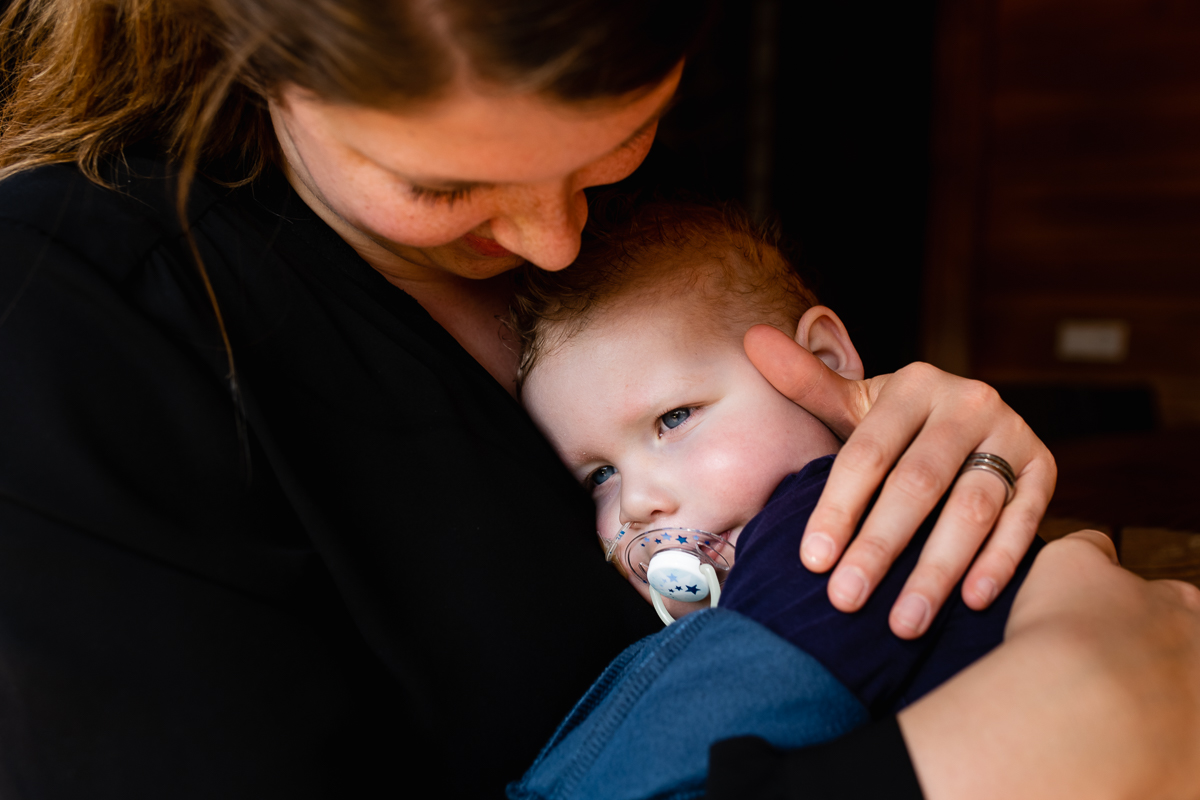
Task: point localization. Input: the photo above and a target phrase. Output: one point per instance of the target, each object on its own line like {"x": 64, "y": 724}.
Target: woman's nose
{"x": 543, "y": 223}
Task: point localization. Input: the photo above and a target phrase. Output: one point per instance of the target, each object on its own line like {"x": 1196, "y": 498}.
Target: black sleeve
{"x": 871, "y": 762}
{"x": 290, "y": 612}
{"x": 165, "y": 630}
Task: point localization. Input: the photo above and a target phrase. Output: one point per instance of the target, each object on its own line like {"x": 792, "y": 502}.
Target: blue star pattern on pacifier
{"x": 676, "y": 574}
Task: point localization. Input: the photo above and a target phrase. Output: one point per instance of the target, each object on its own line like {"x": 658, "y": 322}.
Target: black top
{"x": 345, "y": 596}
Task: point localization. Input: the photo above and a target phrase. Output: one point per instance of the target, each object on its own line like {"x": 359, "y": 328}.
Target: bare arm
{"x": 1095, "y": 692}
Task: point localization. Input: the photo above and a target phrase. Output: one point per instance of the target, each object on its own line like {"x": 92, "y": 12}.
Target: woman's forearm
{"x": 1095, "y": 692}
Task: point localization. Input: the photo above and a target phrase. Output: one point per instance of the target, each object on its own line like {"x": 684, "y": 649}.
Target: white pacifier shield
{"x": 676, "y": 574}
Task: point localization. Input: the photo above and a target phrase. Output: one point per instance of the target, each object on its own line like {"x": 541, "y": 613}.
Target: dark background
{"x": 818, "y": 114}
{"x": 962, "y": 177}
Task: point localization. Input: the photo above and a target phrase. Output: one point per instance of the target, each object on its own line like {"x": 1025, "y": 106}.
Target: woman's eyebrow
{"x": 666, "y": 106}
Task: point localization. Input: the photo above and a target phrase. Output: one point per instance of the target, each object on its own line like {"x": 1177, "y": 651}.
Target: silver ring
{"x": 996, "y": 466}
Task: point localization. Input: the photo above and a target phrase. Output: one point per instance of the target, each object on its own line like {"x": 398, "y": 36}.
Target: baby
{"x": 632, "y": 363}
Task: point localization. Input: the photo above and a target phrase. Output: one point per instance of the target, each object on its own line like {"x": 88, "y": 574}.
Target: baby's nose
{"x": 646, "y": 502}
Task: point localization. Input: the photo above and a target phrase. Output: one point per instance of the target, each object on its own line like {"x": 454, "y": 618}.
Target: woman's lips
{"x": 486, "y": 247}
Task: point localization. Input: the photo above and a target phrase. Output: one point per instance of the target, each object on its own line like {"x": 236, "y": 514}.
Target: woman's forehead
{"x": 489, "y": 137}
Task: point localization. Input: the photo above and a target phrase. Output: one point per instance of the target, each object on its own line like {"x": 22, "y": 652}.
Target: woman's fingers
{"x": 927, "y": 466}
{"x": 975, "y": 510}
{"x": 975, "y": 501}
{"x": 802, "y": 377}
{"x": 914, "y": 429}
{"x": 972, "y": 418}
{"x": 1014, "y": 530}
{"x": 841, "y": 404}
{"x": 930, "y": 422}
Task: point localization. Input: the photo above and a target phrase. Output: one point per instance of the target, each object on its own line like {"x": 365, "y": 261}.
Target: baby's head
{"x": 632, "y": 364}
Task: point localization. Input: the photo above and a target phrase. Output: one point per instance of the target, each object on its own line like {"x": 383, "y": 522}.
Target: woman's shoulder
{"x": 113, "y": 227}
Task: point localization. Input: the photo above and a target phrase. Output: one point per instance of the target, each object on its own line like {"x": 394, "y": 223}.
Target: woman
{"x": 263, "y": 515}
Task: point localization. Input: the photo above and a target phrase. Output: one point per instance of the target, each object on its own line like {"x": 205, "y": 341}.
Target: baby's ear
{"x": 821, "y": 333}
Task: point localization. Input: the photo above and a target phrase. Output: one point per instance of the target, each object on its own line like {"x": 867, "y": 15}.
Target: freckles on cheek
{"x": 384, "y": 209}
{"x": 407, "y": 222}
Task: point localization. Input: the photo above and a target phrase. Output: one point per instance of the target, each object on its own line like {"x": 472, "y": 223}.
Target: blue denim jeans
{"x": 644, "y": 728}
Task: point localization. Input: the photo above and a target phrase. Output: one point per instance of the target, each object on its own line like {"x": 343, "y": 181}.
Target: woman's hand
{"x": 920, "y": 424}
{"x": 1095, "y": 692}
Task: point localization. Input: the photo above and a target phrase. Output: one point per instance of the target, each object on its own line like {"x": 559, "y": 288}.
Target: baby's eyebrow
{"x": 576, "y": 459}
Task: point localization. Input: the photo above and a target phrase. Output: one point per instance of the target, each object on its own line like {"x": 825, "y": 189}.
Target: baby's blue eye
{"x": 601, "y": 475}
{"x": 673, "y": 419}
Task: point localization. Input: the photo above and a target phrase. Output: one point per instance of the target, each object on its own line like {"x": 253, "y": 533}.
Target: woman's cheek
{"x": 381, "y": 206}
{"x": 407, "y": 220}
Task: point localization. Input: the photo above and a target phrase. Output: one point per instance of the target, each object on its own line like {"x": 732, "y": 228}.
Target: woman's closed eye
{"x": 434, "y": 196}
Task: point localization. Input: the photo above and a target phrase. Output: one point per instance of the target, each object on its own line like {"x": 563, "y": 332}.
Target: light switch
{"x": 1097, "y": 340}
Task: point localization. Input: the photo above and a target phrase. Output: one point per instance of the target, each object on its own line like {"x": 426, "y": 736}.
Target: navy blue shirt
{"x": 769, "y": 584}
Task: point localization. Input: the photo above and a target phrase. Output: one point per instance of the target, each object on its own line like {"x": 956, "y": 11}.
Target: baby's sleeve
{"x": 770, "y": 585}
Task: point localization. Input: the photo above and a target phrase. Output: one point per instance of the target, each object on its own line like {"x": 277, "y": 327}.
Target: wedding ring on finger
{"x": 987, "y": 462}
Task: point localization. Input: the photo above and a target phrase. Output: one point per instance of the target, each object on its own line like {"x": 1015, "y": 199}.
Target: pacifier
{"x": 684, "y": 564}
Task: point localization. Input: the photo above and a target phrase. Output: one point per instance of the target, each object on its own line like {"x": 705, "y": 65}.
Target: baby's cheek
{"x": 608, "y": 518}
{"x": 740, "y": 479}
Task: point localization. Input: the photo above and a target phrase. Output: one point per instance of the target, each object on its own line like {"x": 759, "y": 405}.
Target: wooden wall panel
{"x": 1083, "y": 123}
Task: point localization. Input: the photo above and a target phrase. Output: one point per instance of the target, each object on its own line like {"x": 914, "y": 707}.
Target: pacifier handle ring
{"x": 714, "y": 585}
{"x": 714, "y": 594}
{"x": 663, "y": 614}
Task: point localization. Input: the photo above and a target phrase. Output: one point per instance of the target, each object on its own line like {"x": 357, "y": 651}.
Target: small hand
{"x": 920, "y": 424}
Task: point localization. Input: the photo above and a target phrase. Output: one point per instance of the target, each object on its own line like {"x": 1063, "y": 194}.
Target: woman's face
{"x": 470, "y": 185}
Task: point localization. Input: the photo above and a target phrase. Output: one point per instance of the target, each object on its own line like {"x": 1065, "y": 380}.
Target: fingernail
{"x": 986, "y": 590}
{"x": 817, "y": 550}
{"x": 912, "y": 613}
{"x": 849, "y": 586}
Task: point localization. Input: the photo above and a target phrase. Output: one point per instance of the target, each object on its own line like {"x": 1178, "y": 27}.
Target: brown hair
{"x": 634, "y": 248}
{"x": 82, "y": 79}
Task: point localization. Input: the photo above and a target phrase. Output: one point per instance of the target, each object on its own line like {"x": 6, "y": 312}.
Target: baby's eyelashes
{"x": 674, "y": 418}
{"x": 599, "y": 476}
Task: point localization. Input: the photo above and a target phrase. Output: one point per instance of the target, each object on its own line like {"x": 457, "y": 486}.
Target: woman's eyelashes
{"x": 673, "y": 419}
{"x": 436, "y": 196}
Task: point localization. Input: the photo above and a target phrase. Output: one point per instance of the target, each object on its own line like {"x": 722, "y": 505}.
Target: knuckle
{"x": 1051, "y": 465}
{"x": 936, "y": 576}
{"x": 872, "y": 551}
{"x": 1025, "y": 518}
{"x": 977, "y": 396}
{"x": 1002, "y": 564}
{"x": 866, "y": 454}
{"x": 917, "y": 478}
{"x": 977, "y": 505}
{"x": 1189, "y": 595}
{"x": 919, "y": 371}
{"x": 831, "y": 516}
